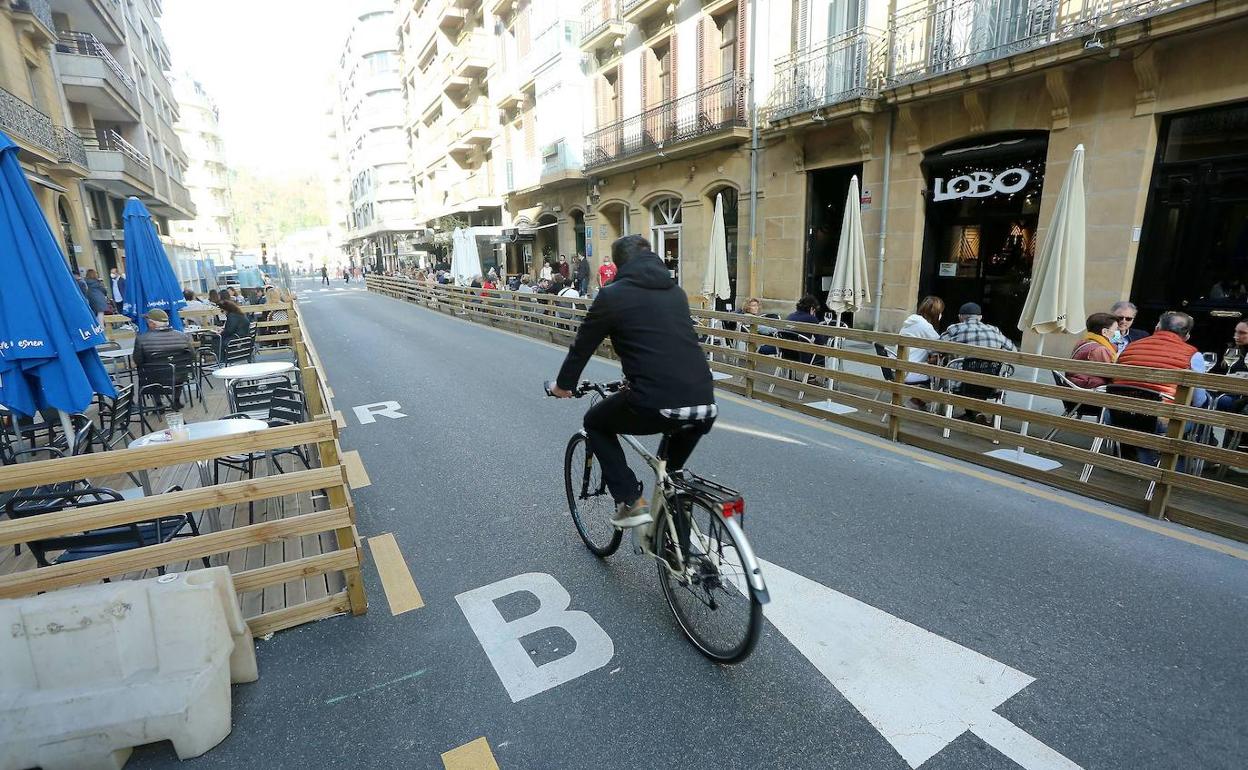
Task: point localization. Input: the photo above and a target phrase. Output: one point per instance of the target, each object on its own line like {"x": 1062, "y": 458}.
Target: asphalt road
{"x": 931, "y": 592}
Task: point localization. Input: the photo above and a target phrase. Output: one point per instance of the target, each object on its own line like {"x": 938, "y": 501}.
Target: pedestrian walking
{"x": 97, "y": 295}
{"x": 117, "y": 281}
{"x": 324, "y": 275}
{"x": 582, "y": 274}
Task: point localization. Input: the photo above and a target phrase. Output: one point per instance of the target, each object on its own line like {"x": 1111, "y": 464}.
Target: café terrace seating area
{"x": 253, "y": 479}
{"x": 1033, "y": 423}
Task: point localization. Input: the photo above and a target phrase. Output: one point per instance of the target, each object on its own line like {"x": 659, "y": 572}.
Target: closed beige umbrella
{"x": 717, "y": 284}
{"x": 1055, "y": 300}
{"x": 849, "y": 291}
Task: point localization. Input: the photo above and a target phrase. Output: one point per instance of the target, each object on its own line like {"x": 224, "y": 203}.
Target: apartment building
{"x": 112, "y": 62}
{"x": 539, "y": 89}
{"x": 670, "y": 87}
{"x": 961, "y": 118}
{"x": 207, "y": 174}
{"x": 33, "y": 115}
{"x": 448, "y": 47}
{"x": 373, "y": 145}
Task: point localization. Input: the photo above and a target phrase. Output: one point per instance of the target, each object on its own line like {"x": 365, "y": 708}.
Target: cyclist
{"x": 646, "y": 315}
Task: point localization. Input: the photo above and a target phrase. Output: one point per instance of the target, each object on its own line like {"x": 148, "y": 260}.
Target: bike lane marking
{"x": 474, "y": 755}
{"x": 396, "y": 579}
{"x": 919, "y": 690}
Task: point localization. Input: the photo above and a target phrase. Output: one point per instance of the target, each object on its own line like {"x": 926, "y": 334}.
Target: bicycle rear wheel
{"x": 589, "y": 500}
{"x": 713, "y": 600}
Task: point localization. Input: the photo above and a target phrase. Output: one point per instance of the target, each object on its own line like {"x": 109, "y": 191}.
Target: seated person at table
{"x": 922, "y": 324}
{"x": 236, "y": 324}
{"x": 1100, "y": 344}
{"x": 156, "y": 344}
{"x": 193, "y": 302}
{"x": 1235, "y": 402}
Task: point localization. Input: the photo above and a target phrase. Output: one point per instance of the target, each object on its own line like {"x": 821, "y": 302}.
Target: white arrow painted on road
{"x": 918, "y": 689}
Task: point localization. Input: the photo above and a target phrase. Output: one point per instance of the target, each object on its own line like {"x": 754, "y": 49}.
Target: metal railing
{"x": 709, "y": 110}
{"x": 86, "y": 44}
{"x": 597, "y": 14}
{"x": 27, "y": 123}
{"x": 848, "y": 66}
{"x": 71, "y": 148}
{"x": 109, "y": 140}
{"x": 946, "y": 35}
{"x": 40, "y": 9}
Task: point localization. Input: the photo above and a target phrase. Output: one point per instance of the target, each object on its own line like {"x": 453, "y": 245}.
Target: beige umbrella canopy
{"x": 1055, "y": 301}
{"x": 716, "y": 284}
{"x": 849, "y": 291}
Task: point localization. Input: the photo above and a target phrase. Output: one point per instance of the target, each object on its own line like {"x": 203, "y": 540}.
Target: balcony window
{"x": 727, "y": 26}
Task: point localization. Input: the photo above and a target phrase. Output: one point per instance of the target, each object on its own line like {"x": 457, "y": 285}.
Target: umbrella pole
{"x": 1031, "y": 397}
{"x": 67, "y": 425}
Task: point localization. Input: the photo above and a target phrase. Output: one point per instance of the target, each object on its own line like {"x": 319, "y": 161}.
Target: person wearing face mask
{"x": 1100, "y": 344}
{"x": 1124, "y": 313}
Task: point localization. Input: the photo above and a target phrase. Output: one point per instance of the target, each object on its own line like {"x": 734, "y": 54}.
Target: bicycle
{"x": 707, "y": 569}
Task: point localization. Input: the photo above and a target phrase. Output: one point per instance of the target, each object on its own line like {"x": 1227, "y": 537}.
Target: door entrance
{"x": 665, "y": 226}
{"x": 825, "y": 211}
{"x": 1194, "y": 250}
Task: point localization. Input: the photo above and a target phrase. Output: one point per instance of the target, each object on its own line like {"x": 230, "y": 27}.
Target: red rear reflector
{"x": 730, "y": 507}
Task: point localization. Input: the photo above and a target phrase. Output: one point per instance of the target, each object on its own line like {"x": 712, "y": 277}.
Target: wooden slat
{"x": 23, "y": 475}
{"x": 90, "y": 570}
{"x": 73, "y": 520}
{"x": 297, "y": 569}
{"x": 317, "y": 609}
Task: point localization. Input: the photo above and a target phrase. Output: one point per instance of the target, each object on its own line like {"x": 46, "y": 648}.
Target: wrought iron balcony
{"x": 938, "y": 37}
{"x": 713, "y": 109}
{"x": 601, "y": 24}
{"x": 28, "y": 125}
{"x": 71, "y": 147}
{"x": 846, "y": 67}
{"x": 40, "y": 9}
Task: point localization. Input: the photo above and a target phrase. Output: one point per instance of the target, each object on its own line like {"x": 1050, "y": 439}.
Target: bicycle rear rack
{"x": 687, "y": 481}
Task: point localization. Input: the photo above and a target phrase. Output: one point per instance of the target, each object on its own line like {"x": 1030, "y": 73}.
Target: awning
{"x": 40, "y": 179}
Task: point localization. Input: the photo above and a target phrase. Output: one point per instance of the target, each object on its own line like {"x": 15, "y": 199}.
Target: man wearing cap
{"x": 971, "y": 330}
{"x": 157, "y": 343}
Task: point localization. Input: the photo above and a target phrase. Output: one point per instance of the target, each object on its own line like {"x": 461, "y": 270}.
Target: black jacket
{"x": 646, "y": 315}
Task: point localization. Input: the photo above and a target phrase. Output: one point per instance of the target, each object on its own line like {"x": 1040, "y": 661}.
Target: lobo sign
{"x": 980, "y": 184}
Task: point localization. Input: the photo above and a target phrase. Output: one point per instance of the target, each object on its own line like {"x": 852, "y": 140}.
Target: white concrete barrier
{"x": 88, "y": 673}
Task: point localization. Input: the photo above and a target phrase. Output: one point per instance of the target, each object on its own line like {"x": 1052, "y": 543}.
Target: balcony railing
{"x": 846, "y": 67}
{"x": 27, "y": 123}
{"x": 947, "y": 35}
{"x": 596, "y": 15}
{"x": 40, "y": 9}
{"x": 709, "y": 110}
{"x": 71, "y": 147}
{"x": 86, "y": 44}
{"x": 109, "y": 140}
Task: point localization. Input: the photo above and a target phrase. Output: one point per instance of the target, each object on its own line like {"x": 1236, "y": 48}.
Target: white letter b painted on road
{"x": 501, "y": 638}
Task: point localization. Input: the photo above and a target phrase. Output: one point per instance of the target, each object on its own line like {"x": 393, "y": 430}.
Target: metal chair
{"x": 796, "y": 356}
{"x": 170, "y": 375}
{"x": 1075, "y": 409}
{"x": 981, "y": 392}
{"x": 1121, "y": 418}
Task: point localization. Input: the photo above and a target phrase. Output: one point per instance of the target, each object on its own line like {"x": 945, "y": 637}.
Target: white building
{"x": 373, "y": 145}
{"x": 207, "y": 176}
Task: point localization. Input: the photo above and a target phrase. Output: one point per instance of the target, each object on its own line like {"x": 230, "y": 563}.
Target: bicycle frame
{"x": 660, "y": 513}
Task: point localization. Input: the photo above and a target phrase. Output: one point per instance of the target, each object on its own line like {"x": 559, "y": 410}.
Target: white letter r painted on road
{"x": 368, "y": 413}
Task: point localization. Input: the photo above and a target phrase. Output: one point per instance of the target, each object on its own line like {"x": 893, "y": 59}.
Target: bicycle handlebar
{"x": 586, "y": 387}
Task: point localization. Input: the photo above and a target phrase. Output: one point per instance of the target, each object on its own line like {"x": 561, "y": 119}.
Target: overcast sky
{"x": 269, "y": 65}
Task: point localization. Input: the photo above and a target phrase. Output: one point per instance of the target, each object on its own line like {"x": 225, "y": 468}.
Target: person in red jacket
{"x": 1097, "y": 344}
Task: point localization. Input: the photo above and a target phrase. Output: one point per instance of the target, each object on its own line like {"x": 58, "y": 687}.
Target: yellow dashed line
{"x": 475, "y": 755}
{"x": 396, "y": 579}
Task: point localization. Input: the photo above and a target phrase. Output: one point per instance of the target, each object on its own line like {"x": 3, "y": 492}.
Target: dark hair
{"x": 808, "y": 304}
{"x": 188, "y": 295}
{"x": 1098, "y": 322}
{"x": 628, "y": 247}
{"x": 230, "y": 306}
{"x": 214, "y": 296}
{"x": 931, "y": 308}
{"x": 1174, "y": 321}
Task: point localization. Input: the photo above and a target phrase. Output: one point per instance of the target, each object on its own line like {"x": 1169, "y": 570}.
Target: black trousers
{"x": 612, "y": 416}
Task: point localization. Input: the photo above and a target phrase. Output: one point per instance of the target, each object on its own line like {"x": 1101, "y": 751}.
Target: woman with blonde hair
{"x": 922, "y": 324}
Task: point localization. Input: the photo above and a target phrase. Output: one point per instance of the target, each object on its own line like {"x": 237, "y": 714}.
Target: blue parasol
{"x": 48, "y": 333}
{"x": 150, "y": 282}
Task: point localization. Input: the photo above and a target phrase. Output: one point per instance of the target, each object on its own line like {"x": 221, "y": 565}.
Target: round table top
{"x": 198, "y": 430}
{"x": 249, "y": 371}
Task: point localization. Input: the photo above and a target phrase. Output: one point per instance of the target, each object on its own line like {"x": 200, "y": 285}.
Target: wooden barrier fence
{"x": 337, "y": 517}
{"x": 882, "y": 409}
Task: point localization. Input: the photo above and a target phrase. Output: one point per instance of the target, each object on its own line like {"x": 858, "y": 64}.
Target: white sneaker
{"x": 629, "y": 516}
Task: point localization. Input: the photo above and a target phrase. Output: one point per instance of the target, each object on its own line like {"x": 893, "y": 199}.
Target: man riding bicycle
{"x": 646, "y": 315}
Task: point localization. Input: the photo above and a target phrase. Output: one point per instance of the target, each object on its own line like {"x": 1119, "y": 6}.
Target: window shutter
{"x": 645, "y": 80}
{"x": 672, "y": 77}
{"x": 619, "y": 94}
{"x": 701, "y": 45}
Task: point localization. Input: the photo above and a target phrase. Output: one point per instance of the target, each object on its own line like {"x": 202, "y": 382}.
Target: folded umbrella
{"x": 150, "y": 281}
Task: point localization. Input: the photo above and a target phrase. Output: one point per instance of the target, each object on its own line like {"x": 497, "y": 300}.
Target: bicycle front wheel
{"x": 589, "y": 501}
{"x": 712, "y": 599}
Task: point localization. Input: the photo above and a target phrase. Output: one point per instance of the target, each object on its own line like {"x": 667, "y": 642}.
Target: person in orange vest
{"x": 1166, "y": 348}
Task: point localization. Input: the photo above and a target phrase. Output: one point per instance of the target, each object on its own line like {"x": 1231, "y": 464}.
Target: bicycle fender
{"x": 753, "y": 570}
